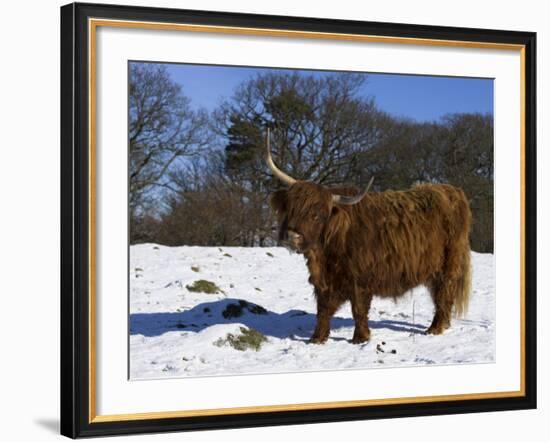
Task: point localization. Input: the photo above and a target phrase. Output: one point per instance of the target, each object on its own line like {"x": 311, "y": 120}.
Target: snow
{"x": 175, "y": 332}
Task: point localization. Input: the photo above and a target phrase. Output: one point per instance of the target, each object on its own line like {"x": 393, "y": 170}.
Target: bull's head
{"x": 306, "y": 210}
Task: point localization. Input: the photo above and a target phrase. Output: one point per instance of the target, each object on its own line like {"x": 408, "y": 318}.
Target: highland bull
{"x": 363, "y": 244}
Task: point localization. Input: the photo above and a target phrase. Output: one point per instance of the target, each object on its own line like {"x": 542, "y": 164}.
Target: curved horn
{"x": 276, "y": 171}
{"x": 350, "y": 200}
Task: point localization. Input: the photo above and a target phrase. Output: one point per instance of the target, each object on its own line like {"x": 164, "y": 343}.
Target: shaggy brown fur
{"x": 386, "y": 244}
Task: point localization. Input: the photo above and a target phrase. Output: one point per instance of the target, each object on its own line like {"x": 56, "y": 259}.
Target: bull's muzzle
{"x": 295, "y": 240}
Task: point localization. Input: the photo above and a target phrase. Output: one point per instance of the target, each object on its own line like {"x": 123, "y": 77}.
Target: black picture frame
{"x": 75, "y": 221}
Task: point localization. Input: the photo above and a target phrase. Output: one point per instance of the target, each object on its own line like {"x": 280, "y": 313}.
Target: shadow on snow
{"x": 294, "y": 324}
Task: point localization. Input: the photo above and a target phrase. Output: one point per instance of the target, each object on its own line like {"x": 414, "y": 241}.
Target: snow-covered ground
{"x": 175, "y": 332}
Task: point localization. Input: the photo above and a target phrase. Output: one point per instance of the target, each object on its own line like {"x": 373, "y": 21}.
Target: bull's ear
{"x": 278, "y": 201}
{"x": 337, "y": 226}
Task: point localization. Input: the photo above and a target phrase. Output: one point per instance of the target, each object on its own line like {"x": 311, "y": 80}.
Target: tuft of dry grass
{"x": 248, "y": 339}
{"x": 203, "y": 286}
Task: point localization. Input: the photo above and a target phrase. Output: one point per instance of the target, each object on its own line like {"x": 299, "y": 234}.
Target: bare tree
{"x": 468, "y": 152}
{"x": 209, "y": 208}
{"x": 163, "y": 129}
{"x": 320, "y": 125}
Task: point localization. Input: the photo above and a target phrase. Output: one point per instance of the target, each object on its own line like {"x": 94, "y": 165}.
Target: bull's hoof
{"x": 436, "y": 329}
{"x": 318, "y": 339}
{"x": 360, "y": 338}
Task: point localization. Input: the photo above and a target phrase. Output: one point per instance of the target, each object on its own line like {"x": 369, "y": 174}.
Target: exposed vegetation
{"x": 248, "y": 339}
{"x": 203, "y": 286}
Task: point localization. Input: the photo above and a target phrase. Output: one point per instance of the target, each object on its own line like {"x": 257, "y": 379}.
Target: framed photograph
{"x": 274, "y": 220}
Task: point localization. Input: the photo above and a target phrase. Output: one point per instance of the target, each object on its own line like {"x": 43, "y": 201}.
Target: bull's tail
{"x": 464, "y": 285}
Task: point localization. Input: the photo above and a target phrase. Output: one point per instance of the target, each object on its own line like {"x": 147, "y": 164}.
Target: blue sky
{"x": 422, "y": 98}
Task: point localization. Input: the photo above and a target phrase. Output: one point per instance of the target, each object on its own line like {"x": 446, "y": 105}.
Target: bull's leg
{"x": 326, "y": 307}
{"x": 360, "y": 306}
{"x": 442, "y": 290}
{"x": 447, "y": 286}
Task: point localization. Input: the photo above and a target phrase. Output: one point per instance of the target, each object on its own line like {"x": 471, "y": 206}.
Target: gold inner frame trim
{"x": 93, "y": 24}
{"x": 294, "y": 407}
{"x": 298, "y": 34}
